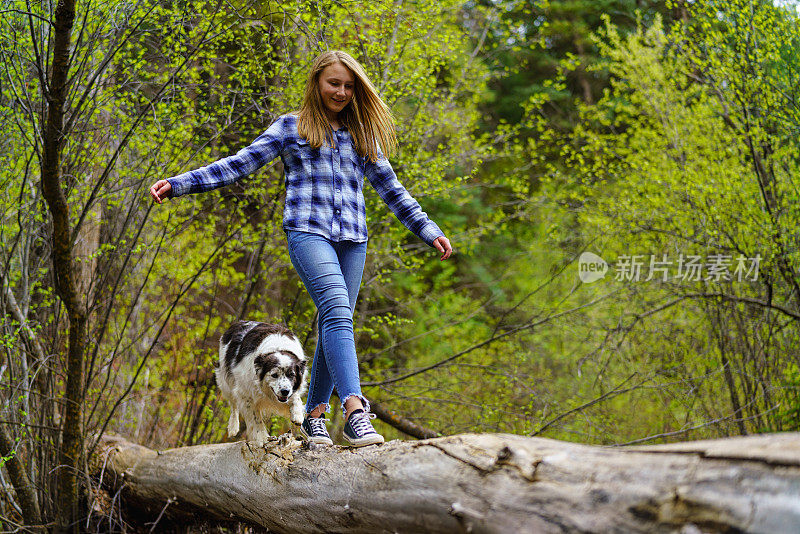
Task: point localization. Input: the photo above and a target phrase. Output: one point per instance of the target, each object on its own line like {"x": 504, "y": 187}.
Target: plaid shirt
{"x": 324, "y": 186}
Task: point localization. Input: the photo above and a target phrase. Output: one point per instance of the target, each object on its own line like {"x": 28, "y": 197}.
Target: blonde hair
{"x": 368, "y": 118}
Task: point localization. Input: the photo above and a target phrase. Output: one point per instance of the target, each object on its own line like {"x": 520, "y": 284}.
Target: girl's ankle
{"x": 351, "y": 405}
{"x": 317, "y": 412}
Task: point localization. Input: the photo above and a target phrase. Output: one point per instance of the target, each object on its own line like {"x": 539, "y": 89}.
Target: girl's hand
{"x": 160, "y": 190}
{"x": 442, "y": 244}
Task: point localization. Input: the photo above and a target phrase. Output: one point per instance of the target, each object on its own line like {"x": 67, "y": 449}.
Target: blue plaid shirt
{"x": 324, "y": 186}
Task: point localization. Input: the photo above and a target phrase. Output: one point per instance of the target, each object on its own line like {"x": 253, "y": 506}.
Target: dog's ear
{"x": 261, "y": 368}
{"x": 299, "y": 371}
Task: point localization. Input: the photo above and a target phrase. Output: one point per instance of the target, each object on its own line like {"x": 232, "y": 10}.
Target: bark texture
{"x": 26, "y": 492}
{"x": 470, "y": 483}
{"x": 70, "y": 454}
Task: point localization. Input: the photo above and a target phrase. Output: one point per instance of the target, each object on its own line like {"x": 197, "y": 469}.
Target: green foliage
{"x": 162, "y": 88}
{"x": 530, "y": 131}
{"x": 690, "y": 151}
{"x": 788, "y": 415}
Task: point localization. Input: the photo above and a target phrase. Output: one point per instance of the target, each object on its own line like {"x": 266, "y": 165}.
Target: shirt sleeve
{"x": 407, "y": 210}
{"x": 228, "y": 170}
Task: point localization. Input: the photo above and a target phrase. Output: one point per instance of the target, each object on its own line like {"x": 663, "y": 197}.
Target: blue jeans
{"x": 331, "y": 272}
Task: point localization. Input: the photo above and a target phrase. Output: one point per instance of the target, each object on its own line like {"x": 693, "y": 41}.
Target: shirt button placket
{"x": 336, "y": 226}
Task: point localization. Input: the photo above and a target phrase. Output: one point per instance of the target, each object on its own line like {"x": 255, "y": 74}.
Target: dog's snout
{"x": 285, "y": 392}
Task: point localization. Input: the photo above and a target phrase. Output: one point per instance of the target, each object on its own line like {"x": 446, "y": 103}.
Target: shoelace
{"x": 317, "y": 425}
{"x": 360, "y": 423}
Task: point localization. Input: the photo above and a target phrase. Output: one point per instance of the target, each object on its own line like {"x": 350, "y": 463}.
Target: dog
{"x": 262, "y": 372}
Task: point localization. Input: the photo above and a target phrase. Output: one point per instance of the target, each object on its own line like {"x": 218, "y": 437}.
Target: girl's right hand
{"x": 160, "y": 190}
{"x": 442, "y": 244}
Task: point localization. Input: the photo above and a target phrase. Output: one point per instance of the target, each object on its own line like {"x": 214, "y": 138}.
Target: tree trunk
{"x": 26, "y": 492}
{"x": 71, "y": 452}
{"x": 468, "y": 483}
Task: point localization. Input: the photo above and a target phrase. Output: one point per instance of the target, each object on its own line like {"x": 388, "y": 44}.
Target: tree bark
{"x": 71, "y": 451}
{"x": 468, "y": 483}
{"x": 26, "y": 492}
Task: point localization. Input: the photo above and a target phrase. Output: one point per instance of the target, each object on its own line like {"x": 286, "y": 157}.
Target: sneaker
{"x": 313, "y": 428}
{"x": 358, "y": 429}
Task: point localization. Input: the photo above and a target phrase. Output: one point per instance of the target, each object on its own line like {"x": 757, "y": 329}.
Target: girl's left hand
{"x": 160, "y": 190}
{"x": 442, "y": 244}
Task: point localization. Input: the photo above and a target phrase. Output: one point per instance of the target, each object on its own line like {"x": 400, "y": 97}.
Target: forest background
{"x": 662, "y": 137}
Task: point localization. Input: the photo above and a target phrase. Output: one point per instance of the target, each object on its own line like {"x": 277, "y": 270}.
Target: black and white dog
{"x": 262, "y": 372}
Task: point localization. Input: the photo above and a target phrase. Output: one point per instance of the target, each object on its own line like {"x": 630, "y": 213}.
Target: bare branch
{"x": 28, "y": 14}
{"x": 488, "y": 341}
{"x": 729, "y": 418}
{"x": 750, "y": 300}
{"x": 609, "y": 394}
{"x": 401, "y": 423}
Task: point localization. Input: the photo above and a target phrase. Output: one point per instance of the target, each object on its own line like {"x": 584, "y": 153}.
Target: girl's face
{"x": 336, "y": 88}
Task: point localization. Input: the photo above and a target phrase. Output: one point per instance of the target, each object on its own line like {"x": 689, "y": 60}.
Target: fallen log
{"x": 477, "y": 483}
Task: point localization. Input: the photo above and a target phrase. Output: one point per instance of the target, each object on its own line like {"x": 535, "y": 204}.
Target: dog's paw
{"x": 233, "y": 424}
{"x": 297, "y": 414}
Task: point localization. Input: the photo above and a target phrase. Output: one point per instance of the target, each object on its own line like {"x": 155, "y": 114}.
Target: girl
{"x": 327, "y": 148}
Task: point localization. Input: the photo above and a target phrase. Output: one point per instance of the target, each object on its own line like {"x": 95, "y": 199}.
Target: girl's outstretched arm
{"x": 227, "y": 170}
{"x": 407, "y": 210}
